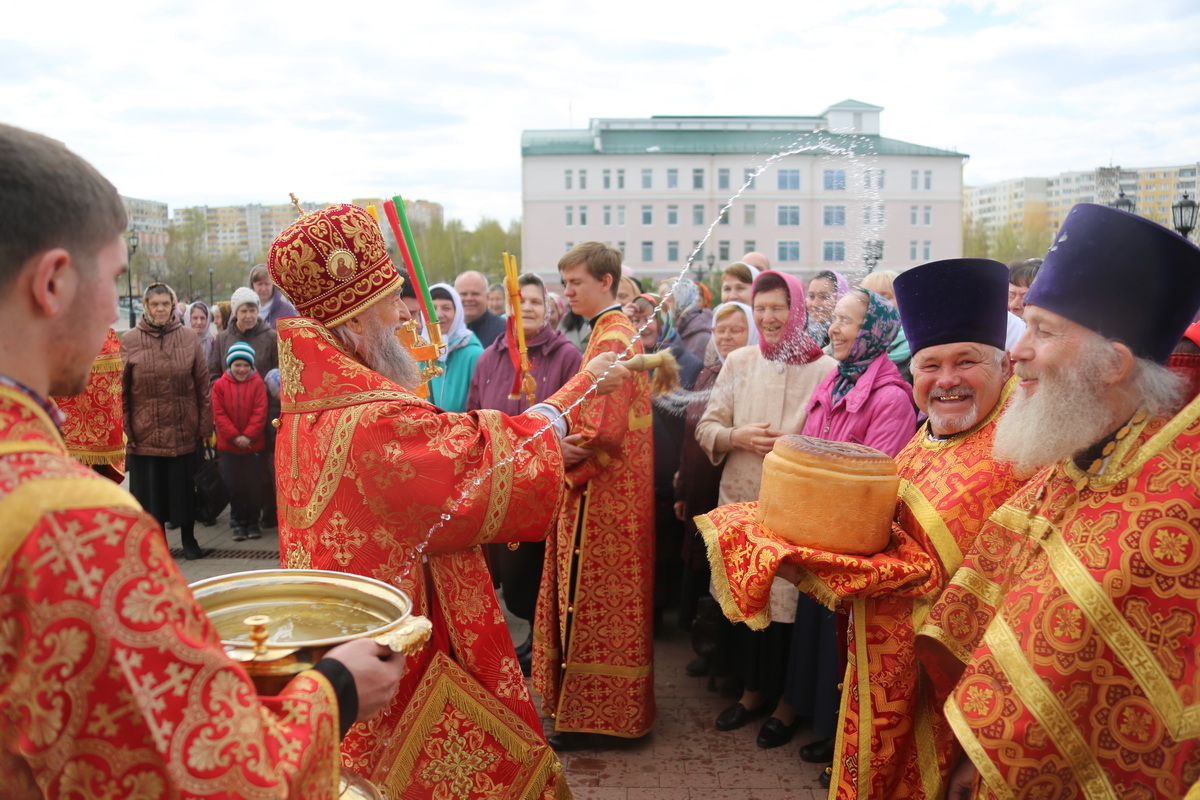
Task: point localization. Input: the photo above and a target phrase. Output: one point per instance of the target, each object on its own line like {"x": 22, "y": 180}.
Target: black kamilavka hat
{"x": 956, "y": 300}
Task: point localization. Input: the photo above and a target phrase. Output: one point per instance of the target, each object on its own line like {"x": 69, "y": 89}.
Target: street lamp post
{"x": 710, "y": 259}
{"x": 132, "y": 246}
{"x": 1123, "y": 203}
{"x": 1183, "y": 215}
{"x": 191, "y": 295}
{"x": 210, "y": 286}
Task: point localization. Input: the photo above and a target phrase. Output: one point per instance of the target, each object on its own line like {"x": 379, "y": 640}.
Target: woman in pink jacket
{"x": 865, "y": 401}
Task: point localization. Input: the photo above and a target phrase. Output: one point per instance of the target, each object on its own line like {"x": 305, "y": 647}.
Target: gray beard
{"x": 382, "y": 352}
{"x": 1066, "y": 415}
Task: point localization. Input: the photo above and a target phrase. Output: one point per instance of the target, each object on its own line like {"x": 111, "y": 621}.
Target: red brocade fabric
{"x": 113, "y": 683}
{"x": 94, "y": 430}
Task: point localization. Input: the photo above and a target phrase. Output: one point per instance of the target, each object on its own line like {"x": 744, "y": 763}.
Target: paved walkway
{"x": 684, "y": 758}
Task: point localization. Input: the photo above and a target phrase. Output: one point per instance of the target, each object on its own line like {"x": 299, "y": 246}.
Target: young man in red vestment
{"x": 112, "y": 681}
{"x": 593, "y": 654}
{"x": 376, "y": 481}
{"x": 1067, "y": 641}
{"x": 891, "y": 740}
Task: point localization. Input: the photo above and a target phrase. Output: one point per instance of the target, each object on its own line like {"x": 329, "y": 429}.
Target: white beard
{"x": 1066, "y": 415}
{"x": 382, "y": 352}
{"x": 957, "y": 424}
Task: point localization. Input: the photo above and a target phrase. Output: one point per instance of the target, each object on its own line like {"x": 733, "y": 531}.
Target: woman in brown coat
{"x": 168, "y": 412}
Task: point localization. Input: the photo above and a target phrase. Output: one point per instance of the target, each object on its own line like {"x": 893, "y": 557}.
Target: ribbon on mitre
{"x": 745, "y": 558}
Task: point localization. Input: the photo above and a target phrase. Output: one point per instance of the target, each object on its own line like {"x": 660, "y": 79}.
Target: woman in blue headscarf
{"x": 449, "y": 390}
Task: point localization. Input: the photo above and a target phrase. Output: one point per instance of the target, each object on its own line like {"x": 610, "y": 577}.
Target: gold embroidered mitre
{"x": 332, "y": 264}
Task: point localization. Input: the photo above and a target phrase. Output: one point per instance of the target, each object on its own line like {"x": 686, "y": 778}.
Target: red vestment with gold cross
{"x": 1068, "y": 639}
{"x": 94, "y": 428}
{"x": 113, "y": 683}
{"x": 892, "y": 741}
{"x": 375, "y": 481}
{"x": 593, "y": 649}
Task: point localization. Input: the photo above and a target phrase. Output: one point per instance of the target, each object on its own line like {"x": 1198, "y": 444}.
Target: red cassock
{"x": 892, "y": 740}
{"x": 113, "y": 684}
{"x": 94, "y": 429}
{"x": 593, "y": 648}
{"x": 1068, "y": 639}
{"x": 366, "y": 473}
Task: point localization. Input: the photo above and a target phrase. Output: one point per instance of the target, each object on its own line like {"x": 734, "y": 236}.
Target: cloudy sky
{"x": 226, "y": 102}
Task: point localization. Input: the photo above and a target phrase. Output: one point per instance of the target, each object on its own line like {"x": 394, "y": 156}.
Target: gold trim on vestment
{"x": 1183, "y": 722}
{"x": 1118, "y": 470}
{"x": 503, "y": 470}
{"x": 970, "y": 581}
{"x": 637, "y": 423}
{"x": 21, "y": 508}
{"x": 607, "y": 669}
{"x": 835, "y": 780}
{"x": 31, "y": 446}
{"x": 932, "y": 523}
{"x": 331, "y": 696}
{"x": 107, "y": 362}
{"x": 927, "y": 761}
{"x": 815, "y": 588}
{"x": 344, "y": 401}
{"x": 988, "y": 771}
{"x": 23, "y": 400}
{"x": 1047, "y": 708}
{"x": 866, "y": 712}
{"x": 302, "y": 514}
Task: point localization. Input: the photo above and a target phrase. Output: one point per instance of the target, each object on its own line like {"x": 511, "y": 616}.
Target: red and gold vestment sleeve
{"x": 745, "y": 559}
{"x": 94, "y": 430}
{"x": 113, "y": 682}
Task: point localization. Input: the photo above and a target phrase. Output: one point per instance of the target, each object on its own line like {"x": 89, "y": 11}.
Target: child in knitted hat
{"x": 239, "y": 401}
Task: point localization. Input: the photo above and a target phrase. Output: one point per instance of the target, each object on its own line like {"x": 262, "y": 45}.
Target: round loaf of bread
{"x": 834, "y": 496}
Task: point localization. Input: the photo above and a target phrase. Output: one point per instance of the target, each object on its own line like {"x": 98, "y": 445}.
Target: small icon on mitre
{"x": 341, "y": 265}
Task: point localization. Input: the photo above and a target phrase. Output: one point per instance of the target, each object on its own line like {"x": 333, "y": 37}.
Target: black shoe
{"x": 525, "y": 661}
{"x": 774, "y": 733}
{"x": 192, "y": 551}
{"x": 570, "y": 740}
{"x": 171, "y": 526}
{"x": 239, "y": 534}
{"x": 697, "y": 667}
{"x": 738, "y": 715}
{"x": 826, "y": 777}
{"x": 818, "y": 752}
{"x": 208, "y": 523}
{"x": 525, "y": 647}
{"x": 253, "y": 532}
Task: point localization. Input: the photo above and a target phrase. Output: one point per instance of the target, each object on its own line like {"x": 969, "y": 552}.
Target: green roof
{"x": 713, "y": 142}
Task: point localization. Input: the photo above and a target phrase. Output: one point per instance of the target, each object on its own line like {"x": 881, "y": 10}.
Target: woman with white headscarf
{"x": 448, "y": 391}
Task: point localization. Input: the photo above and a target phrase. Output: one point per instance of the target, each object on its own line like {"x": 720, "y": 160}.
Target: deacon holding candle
{"x": 375, "y": 481}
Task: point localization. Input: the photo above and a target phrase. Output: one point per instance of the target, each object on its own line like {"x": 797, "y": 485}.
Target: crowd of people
{"x": 1028, "y": 630}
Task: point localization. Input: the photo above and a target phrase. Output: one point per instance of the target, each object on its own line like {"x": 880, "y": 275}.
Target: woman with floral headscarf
{"x": 448, "y": 391}
{"x": 761, "y": 394}
{"x": 864, "y": 401}
{"x": 693, "y": 321}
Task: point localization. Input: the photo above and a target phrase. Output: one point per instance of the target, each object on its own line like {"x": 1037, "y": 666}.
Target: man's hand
{"x": 242, "y": 441}
{"x": 572, "y": 453}
{"x": 757, "y": 437}
{"x": 681, "y": 511}
{"x": 376, "y": 670}
{"x": 616, "y": 377}
{"x": 962, "y": 781}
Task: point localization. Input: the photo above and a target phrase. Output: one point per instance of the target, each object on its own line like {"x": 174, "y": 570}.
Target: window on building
{"x": 916, "y": 179}
{"x": 874, "y": 178}
{"x": 913, "y": 213}
{"x": 789, "y": 180}
{"x": 583, "y": 215}
{"x": 647, "y": 252}
{"x": 928, "y": 215}
{"x": 620, "y": 179}
{"x": 698, "y": 214}
{"x": 748, "y": 177}
{"x": 647, "y": 178}
{"x": 568, "y": 246}
{"x": 647, "y": 215}
{"x": 724, "y": 218}
{"x": 608, "y": 215}
{"x": 672, "y": 252}
{"x": 672, "y": 216}
{"x": 788, "y": 251}
{"x": 787, "y": 215}
{"x": 698, "y": 178}
{"x": 722, "y": 251}
{"x": 621, "y": 247}
{"x": 835, "y": 179}
{"x": 608, "y": 179}
{"x": 722, "y": 179}
{"x": 928, "y": 179}
{"x": 835, "y": 215}
{"x": 912, "y": 251}
{"x": 926, "y": 250}
{"x": 749, "y": 246}
{"x": 567, "y": 177}
{"x": 698, "y": 250}
{"x": 570, "y": 215}
{"x": 750, "y": 214}
{"x": 621, "y": 216}
{"x": 672, "y": 179}
{"x": 583, "y": 179}
{"x": 834, "y": 251}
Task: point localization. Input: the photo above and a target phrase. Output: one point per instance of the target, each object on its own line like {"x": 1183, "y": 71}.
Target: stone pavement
{"x": 684, "y": 758}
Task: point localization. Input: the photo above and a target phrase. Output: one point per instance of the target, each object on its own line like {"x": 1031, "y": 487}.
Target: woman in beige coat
{"x": 761, "y": 394}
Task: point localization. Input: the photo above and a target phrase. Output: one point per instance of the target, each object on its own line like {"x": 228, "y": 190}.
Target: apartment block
{"x": 149, "y": 218}
{"x": 653, "y": 187}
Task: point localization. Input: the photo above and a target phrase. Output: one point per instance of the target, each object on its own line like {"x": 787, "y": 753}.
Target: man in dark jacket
{"x": 247, "y": 327}
{"x": 472, "y": 288}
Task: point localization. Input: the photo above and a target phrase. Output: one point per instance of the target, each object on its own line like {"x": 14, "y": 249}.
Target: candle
{"x": 374, "y": 212}
{"x": 389, "y": 208}
{"x": 422, "y": 284}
